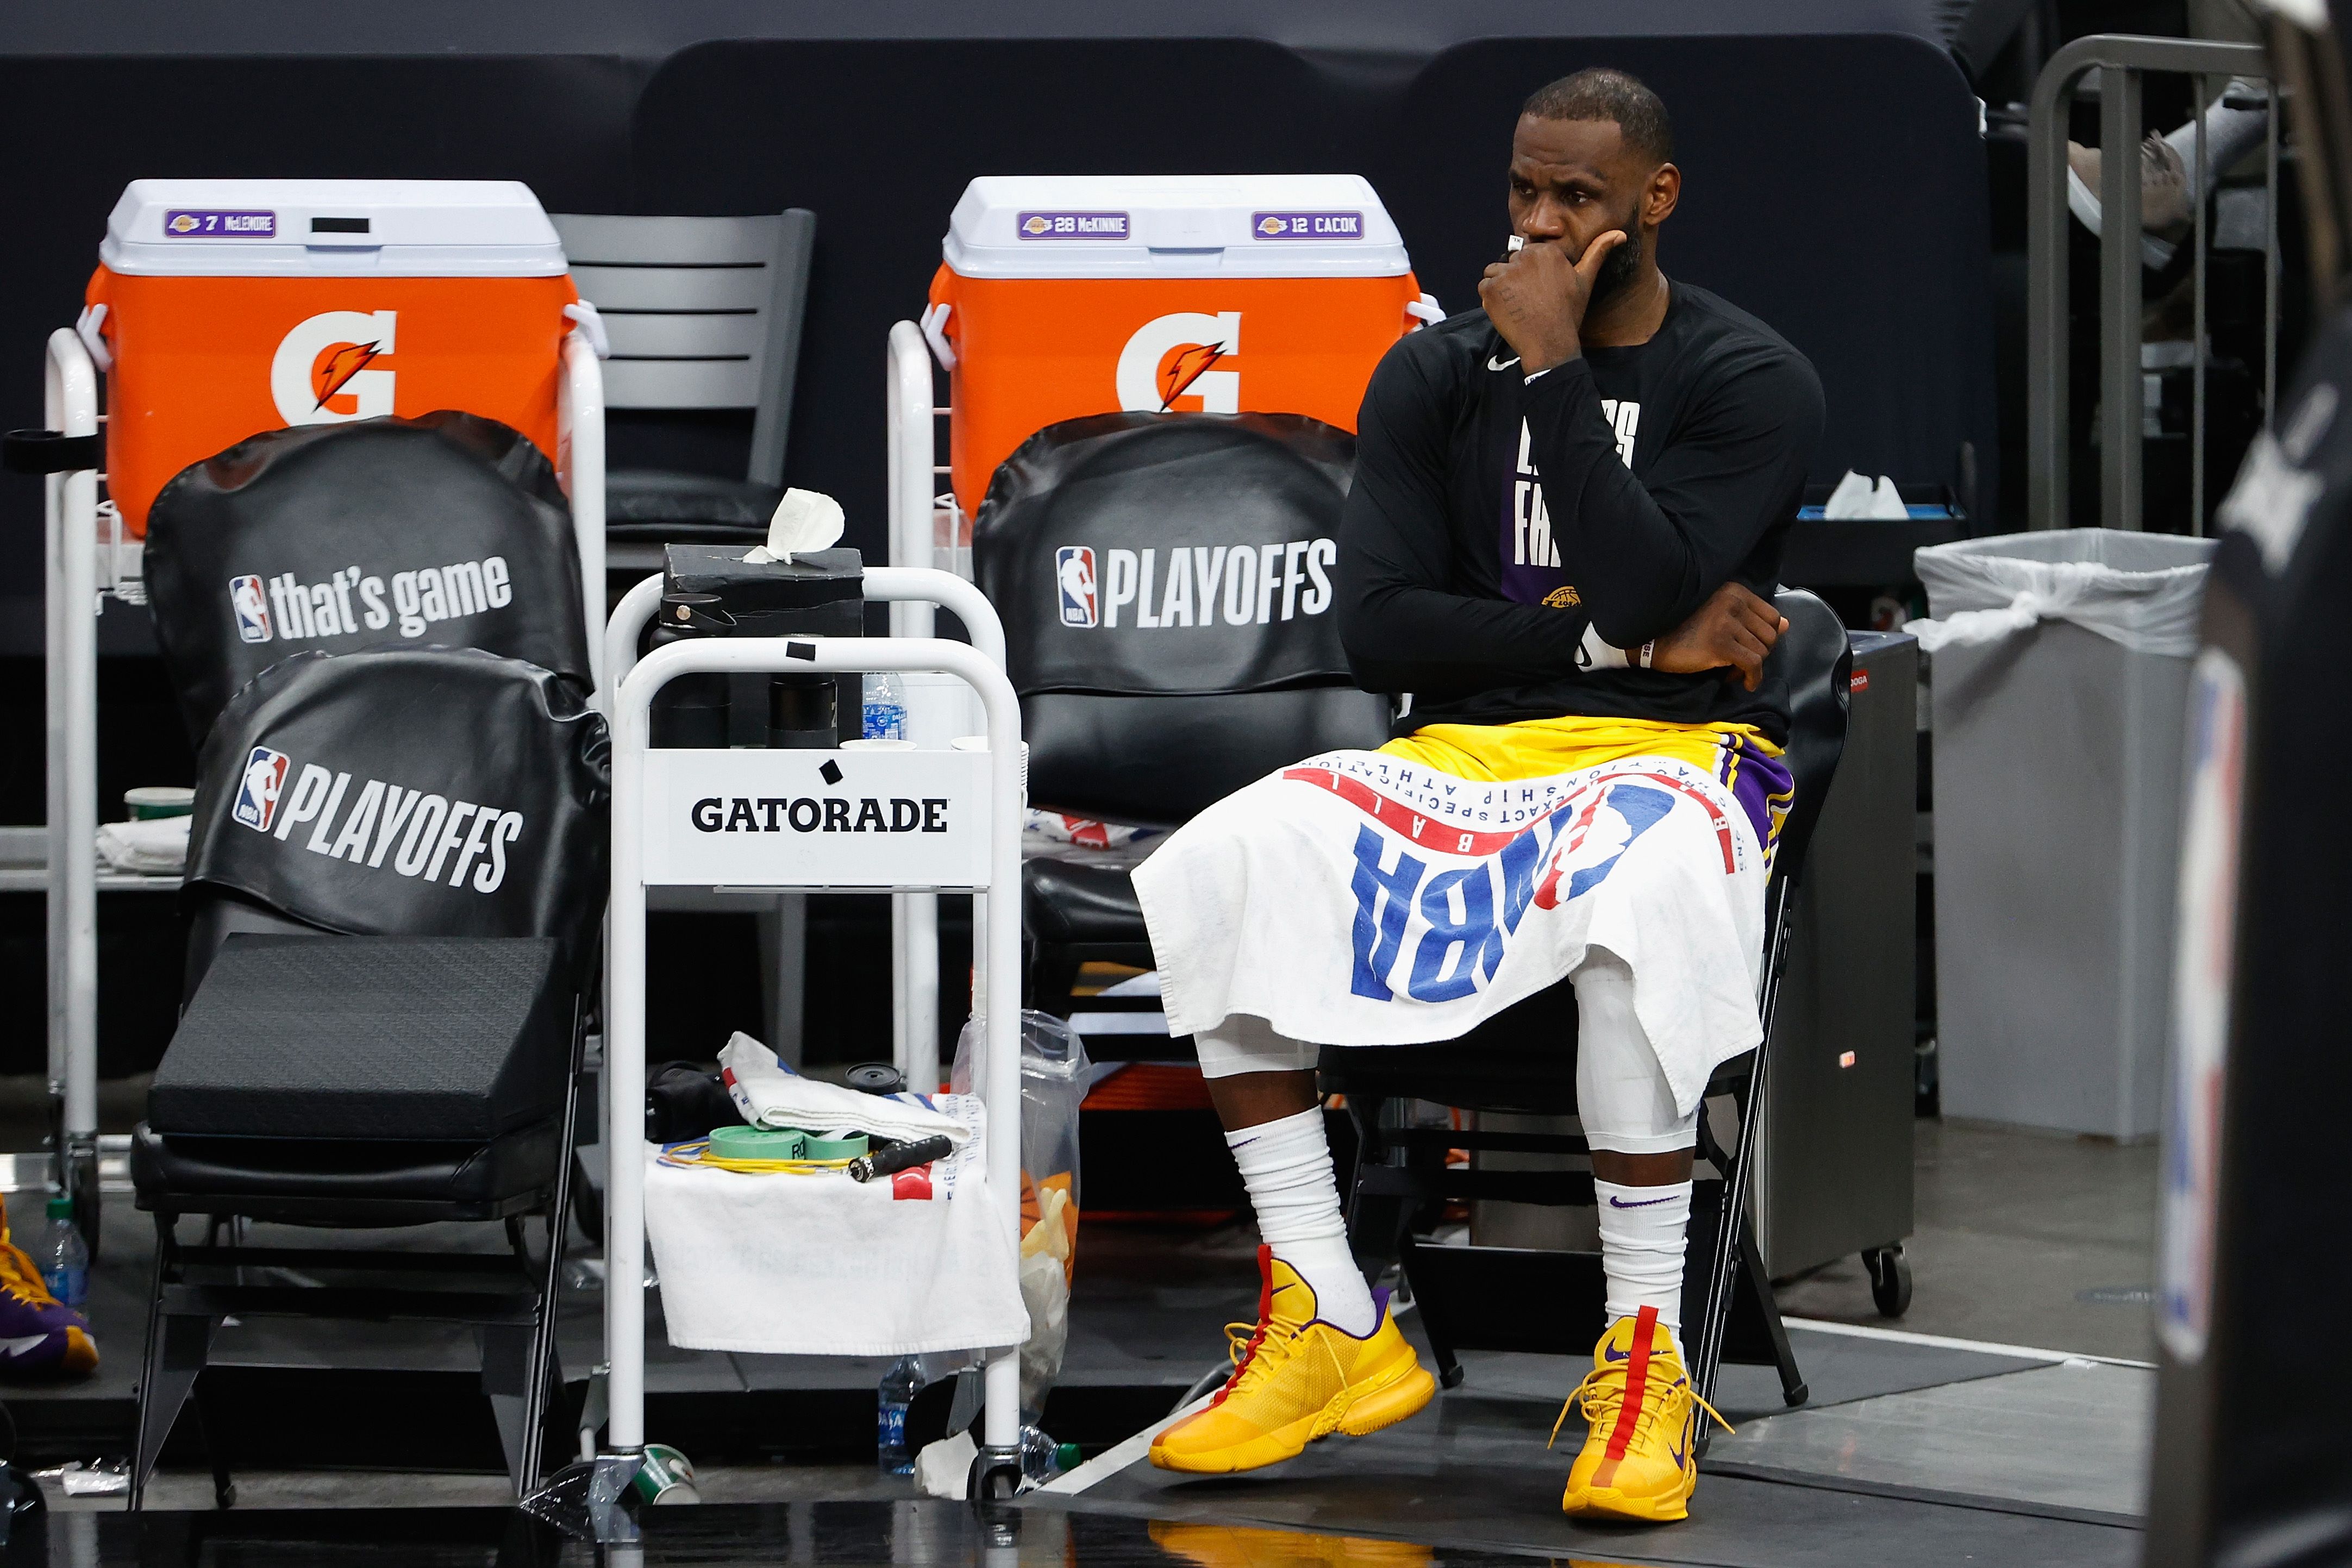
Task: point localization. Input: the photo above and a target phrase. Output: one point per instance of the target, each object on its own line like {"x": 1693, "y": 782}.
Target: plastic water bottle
{"x": 885, "y": 706}
{"x": 900, "y": 1386}
{"x": 64, "y": 1260}
{"x": 1042, "y": 1458}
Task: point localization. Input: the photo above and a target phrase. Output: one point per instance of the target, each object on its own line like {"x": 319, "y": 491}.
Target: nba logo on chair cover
{"x": 257, "y": 793}
{"x": 1074, "y": 576}
{"x": 252, "y": 608}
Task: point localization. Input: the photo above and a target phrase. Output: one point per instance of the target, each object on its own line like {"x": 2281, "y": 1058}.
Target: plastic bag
{"x": 1054, "y": 1073}
{"x": 2142, "y": 591}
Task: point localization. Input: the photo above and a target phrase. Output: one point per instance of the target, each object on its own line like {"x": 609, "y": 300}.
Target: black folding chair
{"x": 1524, "y": 1060}
{"x": 381, "y": 1024}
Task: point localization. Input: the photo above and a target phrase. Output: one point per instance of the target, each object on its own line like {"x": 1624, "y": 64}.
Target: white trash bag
{"x": 2142, "y": 591}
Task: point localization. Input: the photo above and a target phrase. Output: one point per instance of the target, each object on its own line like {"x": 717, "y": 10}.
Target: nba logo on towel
{"x": 257, "y": 796}
{"x": 1074, "y": 573}
{"x": 252, "y": 607}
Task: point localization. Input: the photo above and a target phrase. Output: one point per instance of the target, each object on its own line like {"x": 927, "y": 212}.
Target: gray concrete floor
{"x": 356, "y": 1488}
{"x": 2023, "y": 1238}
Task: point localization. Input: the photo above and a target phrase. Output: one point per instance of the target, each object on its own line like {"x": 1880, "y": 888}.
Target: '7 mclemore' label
{"x": 210, "y": 223}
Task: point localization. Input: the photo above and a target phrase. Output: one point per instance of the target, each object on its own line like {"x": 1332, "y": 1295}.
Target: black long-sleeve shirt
{"x": 1505, "y": 537}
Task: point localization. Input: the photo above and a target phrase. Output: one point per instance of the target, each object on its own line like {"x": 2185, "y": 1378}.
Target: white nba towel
{"x": 1360, "y": 898}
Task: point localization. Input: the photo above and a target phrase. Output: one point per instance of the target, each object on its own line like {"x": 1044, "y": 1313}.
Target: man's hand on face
{"x": 1734, "y": 629}
{"x": 1536, "y": 298}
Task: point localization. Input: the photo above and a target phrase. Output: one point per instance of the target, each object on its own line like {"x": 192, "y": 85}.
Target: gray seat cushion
{"x": 407, "y": 1037}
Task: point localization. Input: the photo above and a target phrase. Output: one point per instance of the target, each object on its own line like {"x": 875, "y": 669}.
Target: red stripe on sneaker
{"x": 1637, "y": 1376}
{"x": 1264, "y": 1316}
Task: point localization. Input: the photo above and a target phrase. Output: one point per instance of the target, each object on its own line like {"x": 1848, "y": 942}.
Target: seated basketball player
{"x": 1567, "y": 514}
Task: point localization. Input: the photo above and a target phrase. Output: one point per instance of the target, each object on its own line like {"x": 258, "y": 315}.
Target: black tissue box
{"x": 819, "y": 593}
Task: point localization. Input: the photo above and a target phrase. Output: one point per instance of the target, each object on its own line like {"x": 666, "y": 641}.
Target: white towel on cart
{"x": 1362, "y": 898}
{"x": 770, "y": 1094}
{"x": 153, "y": 848}
{"x": 822, "y": 1265}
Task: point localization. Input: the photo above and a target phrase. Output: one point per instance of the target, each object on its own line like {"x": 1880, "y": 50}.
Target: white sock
{"x": 1287, "y": 1165}
{"x": 1643, "y": 1230}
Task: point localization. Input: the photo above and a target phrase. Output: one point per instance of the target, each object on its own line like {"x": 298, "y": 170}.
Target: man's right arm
{"x": 1402, "y": 629}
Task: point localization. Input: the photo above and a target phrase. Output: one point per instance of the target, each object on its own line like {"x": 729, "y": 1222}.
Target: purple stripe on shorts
{"x": 1762, "y": 785}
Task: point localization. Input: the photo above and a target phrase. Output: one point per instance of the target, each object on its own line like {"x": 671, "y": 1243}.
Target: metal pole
{"x": 2204, "y": 188}
{"x": 914, "y": 916}
{"x": 2046, "y": 345}
{"x": 2270, "y": 250}
{"x": 70, "y": 400}
{"x": 625, "y": 1076}
{"x": 2121, "y": 405}
{"x": 580, "y": 410}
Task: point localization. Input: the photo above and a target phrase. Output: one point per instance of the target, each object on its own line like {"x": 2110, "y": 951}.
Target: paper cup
{"x": 877, "y": 746}
{"x": 149, "y": 801}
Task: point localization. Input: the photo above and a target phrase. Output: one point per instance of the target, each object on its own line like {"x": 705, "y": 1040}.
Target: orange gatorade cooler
{"x": 1062, "y": 296}
{"x": 231, "y": 306}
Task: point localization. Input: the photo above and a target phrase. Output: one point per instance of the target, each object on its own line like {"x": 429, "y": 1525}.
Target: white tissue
{"x": 944, "y": 1468}
{"x": 1856, "y": 498}
{"x": 805, "y": 520}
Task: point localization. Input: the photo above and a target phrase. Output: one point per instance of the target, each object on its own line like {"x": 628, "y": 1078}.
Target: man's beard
{"x": 1619, "y": 266}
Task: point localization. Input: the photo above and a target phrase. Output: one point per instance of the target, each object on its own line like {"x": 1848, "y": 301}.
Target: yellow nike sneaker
{"x": 40, "y": 1337}
{"x": 1296, "y": 1378}
{"x": 1637, "y": 1461}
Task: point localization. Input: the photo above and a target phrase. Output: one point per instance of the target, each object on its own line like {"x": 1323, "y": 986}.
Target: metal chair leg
{"x": 177, "y": 1348}
{"x": 1751, "y": 1265}
{"x": 214, "y": 1433}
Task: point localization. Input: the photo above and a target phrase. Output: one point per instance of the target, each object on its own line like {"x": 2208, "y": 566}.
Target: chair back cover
{"x": 1165, "y": 585}
{"x": 426, "y": 792}
{"x": 445, "y": 531}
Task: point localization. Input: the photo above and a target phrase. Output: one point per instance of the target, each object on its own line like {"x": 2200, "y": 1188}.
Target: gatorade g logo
{"x": 257, "y": 793}
{"x": 1186, "y": 354}
{"x": 326, "y": 371}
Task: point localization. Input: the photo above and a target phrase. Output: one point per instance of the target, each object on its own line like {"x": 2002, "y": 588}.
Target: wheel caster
{"x": 995, "y": 1475}
{"x": 1890, "y": 1279}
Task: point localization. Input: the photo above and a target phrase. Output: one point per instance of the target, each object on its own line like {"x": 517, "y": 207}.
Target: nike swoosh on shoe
{"x": 19, "y": 1346}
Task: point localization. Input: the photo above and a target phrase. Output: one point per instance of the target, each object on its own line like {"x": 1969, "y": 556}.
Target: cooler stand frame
{"x": 72, "y": 546}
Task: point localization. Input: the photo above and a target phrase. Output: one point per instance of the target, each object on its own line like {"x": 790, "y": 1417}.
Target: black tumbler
{"x": 804, "y": 713}
{"x": 691, "y": 710}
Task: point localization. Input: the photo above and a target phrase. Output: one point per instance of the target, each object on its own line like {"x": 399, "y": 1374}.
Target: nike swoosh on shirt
{"x": 1495, "y": 364}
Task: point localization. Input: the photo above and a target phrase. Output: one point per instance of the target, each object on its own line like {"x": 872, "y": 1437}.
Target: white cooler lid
{"x": 298, "y": 229}
{"x": 1174, "y": 226}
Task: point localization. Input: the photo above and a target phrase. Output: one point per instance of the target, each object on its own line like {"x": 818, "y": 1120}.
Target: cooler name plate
{"x": 817, "y": 819}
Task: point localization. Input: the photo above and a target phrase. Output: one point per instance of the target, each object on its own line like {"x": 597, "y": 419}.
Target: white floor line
{"x": 1112, "y": 1461}
{"x": 1941, "y": 1342}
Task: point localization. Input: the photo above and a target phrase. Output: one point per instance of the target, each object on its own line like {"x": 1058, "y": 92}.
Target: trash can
{"x": 225, "y": 308}
{"x": 2060, "y": 674}
{"x": 1066, "y": 296}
